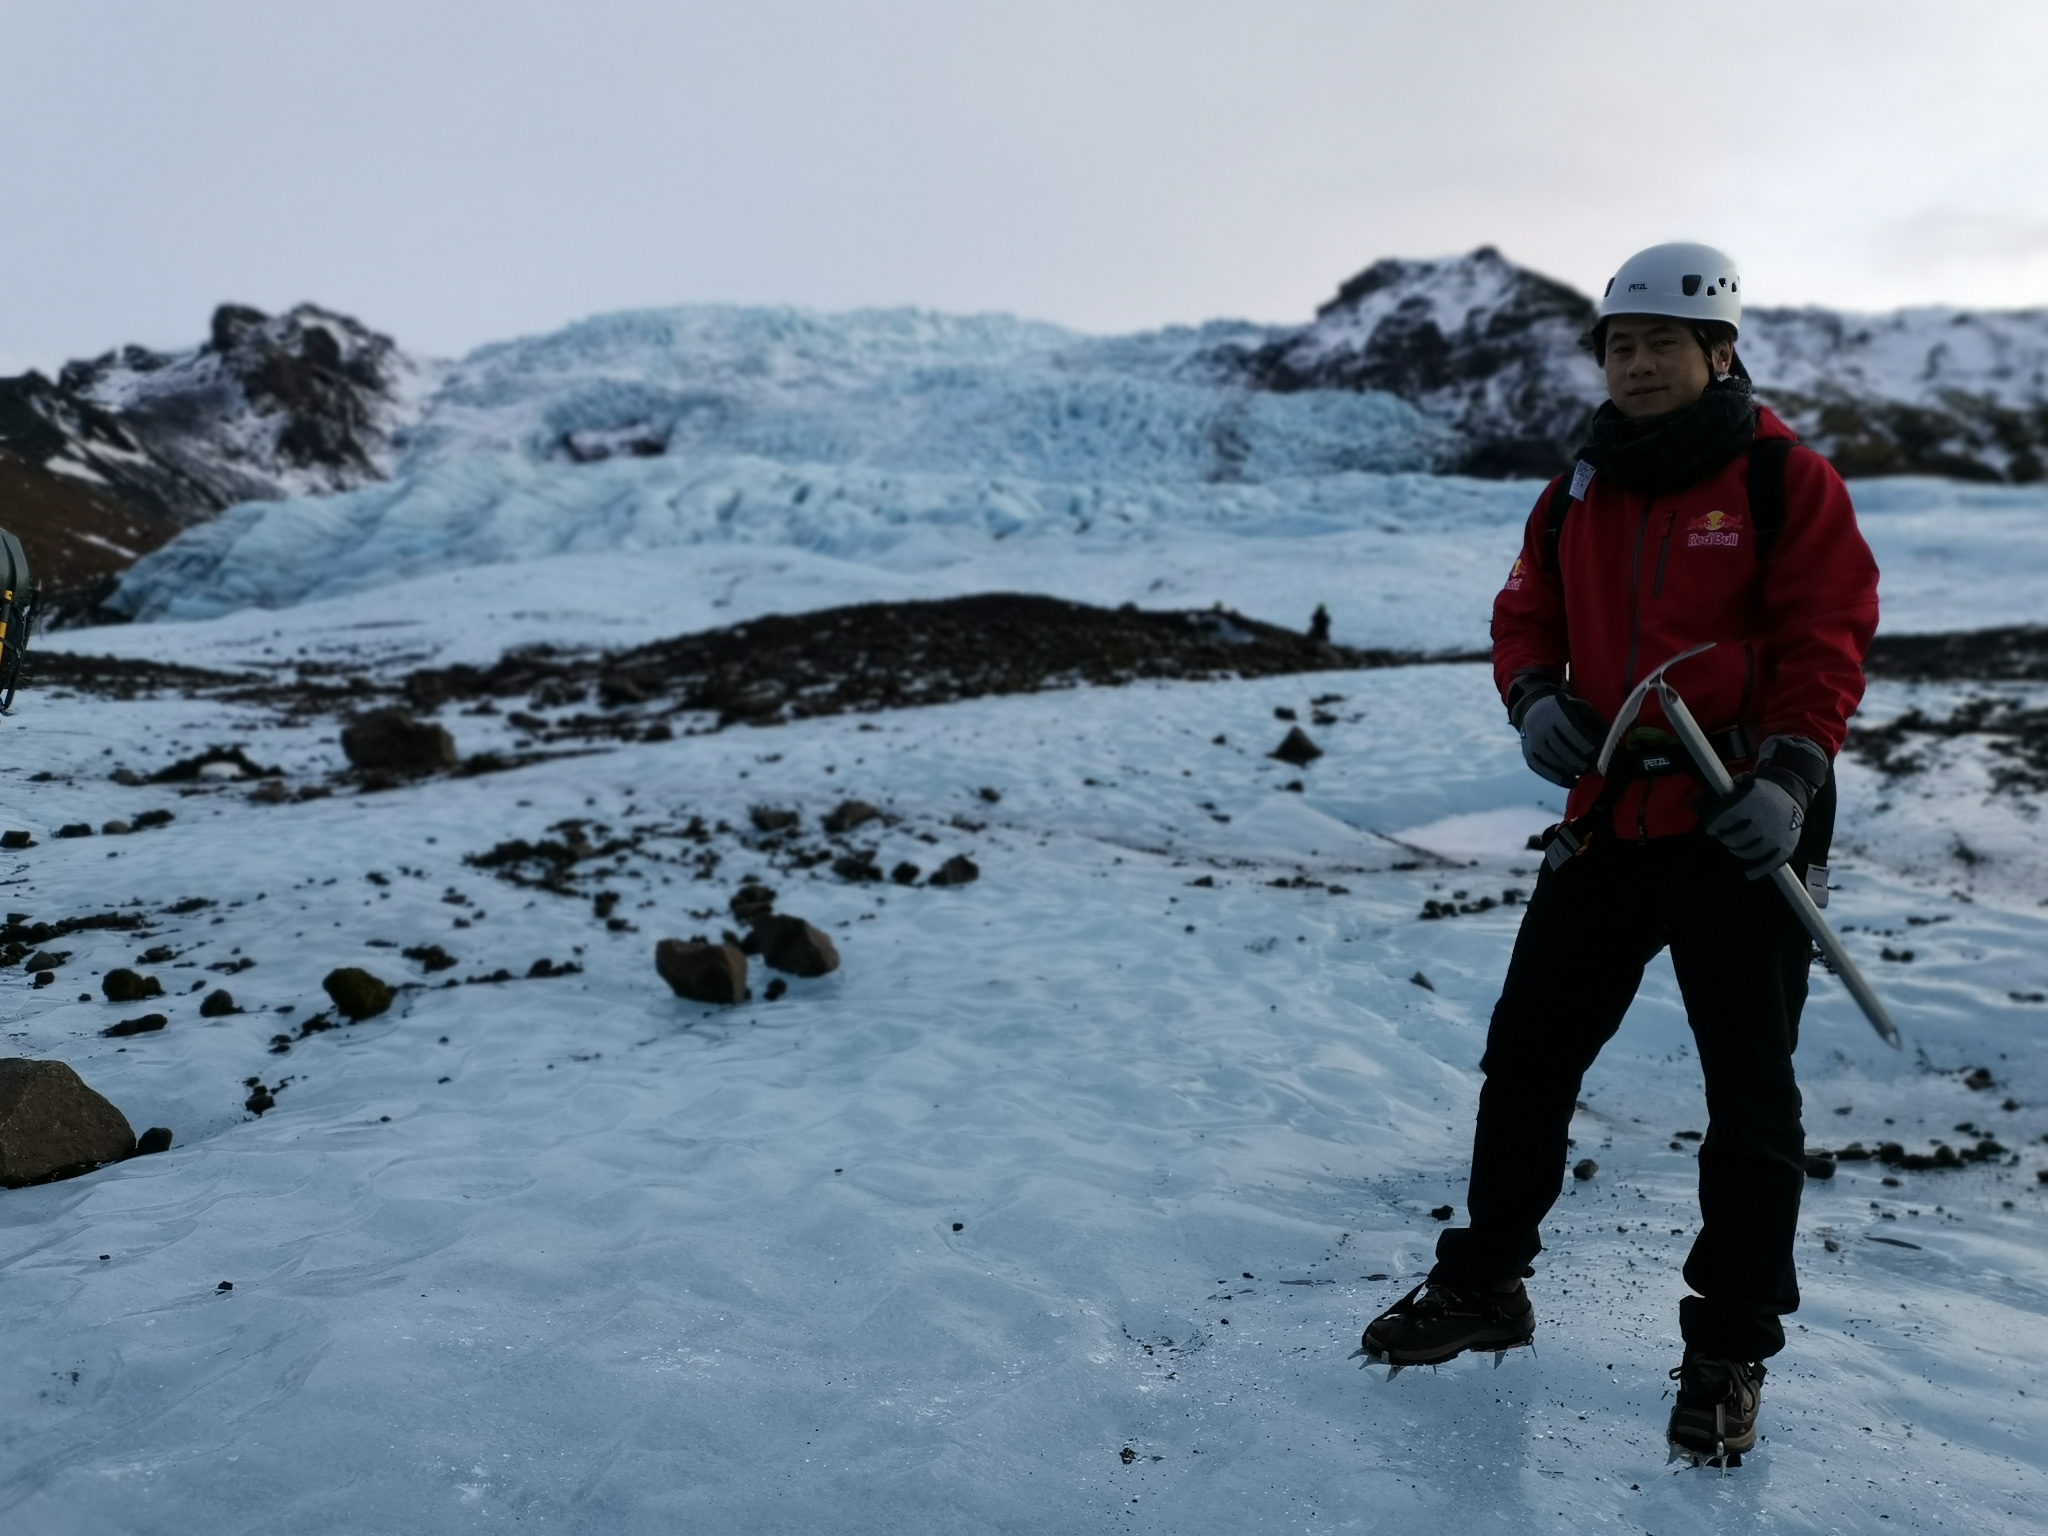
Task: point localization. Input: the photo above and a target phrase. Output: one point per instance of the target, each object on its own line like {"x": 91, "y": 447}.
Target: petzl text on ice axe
{"x": 1718, "y": 779}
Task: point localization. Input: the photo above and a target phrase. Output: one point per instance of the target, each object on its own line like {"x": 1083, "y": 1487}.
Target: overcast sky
{"x": 455, "y": 173}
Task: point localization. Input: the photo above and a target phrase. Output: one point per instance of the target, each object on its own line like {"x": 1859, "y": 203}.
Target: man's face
{"x": 1654, "y": 365}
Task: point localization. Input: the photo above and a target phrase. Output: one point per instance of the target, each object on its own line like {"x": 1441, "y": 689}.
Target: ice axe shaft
{"x": 1715, "y": 772}
{"x": 1633, "y": 705}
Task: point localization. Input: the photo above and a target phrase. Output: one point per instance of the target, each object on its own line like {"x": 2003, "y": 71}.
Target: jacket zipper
{"x": 1635, "y": 632}
{"x": 1635, "y": 594}
{"x": 1664, "y": 549}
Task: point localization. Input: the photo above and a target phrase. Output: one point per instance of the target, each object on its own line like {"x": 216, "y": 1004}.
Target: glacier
{"x": 852, "y": 435}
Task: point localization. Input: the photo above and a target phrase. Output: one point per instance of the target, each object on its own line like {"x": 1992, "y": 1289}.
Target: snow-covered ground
{"x": 1082, "y": 1159}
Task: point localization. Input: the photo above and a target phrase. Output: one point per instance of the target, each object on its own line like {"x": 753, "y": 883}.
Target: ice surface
{"x": 618, "y": 1263}
{"x": 1114, "y": 1149}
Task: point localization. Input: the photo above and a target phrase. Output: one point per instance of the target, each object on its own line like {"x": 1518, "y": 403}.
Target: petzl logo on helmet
{"x": 1717, "y": 530}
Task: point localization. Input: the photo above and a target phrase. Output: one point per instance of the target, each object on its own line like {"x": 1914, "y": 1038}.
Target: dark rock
{"x": 75, "y": 829}
{"x": 217, "y": 1004}
{"x": 429, "y": 957}
{"x": 1979, "y": 1078}
{"x": 905, "y": 873}
{"x": 215, "y": 763}
{"x": 753, "y": 902}
{"x": 156, "y": 1139}
{"x": 1819, "y": 1166}
{"x": 148, "y": 1024}
{"x": 701, "y": 971}
{"x": 122, "y": 985}
{"x": 1283, "y": 713}
{"x": 260, "y": 1099}
{"x": 958, "y": 870}
{"x": 775, "y": 988}
{"x": 545, "y": 969}
{"x": 1296, "y": 749}
{"x": 847, "y": 815}
{"x": 52, "y": 1125}
{"x": 357, "y": 993}
{"x": 156, "y": 818}
{"x": 128, "y": 778}
{"x": 270, "y": 792}
{"x": 1420, "y": 980}
{"x": 16, "y": 839}
{"x": 115, "y": 828}
{"x": 1585, "y": 1168}
{"x": 857, "y": 867}
{"x": 768, "y": 818}
{"x": 992, "y": 796}
{"x": 46, "y": 959}
{"x": 793, "y": 945}
{"x": 391, "y": 741}
{"x": 1319, "y": 625}
{"x": 47, "y": 978}
{"x": 1443, "y": 1213}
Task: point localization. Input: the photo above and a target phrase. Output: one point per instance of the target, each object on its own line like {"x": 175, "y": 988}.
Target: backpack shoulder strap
{"x": 1767, "y": 491}
{"x": 1565, "y": 490}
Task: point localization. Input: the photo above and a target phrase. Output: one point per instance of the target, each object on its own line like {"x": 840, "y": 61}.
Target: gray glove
{"x": 1761, "y": 819}
{"x": 1561, "y": 735}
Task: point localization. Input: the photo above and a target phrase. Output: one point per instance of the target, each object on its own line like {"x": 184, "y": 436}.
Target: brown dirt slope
{"x": 78, "y": 539}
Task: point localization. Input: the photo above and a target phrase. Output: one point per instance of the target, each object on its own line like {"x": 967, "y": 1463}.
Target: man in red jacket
{"x": 1688, "y": 518}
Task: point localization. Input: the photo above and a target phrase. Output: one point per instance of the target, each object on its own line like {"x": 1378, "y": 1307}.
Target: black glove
{"x": 1761, "y": 818}
{"x": 1561, "y": 734}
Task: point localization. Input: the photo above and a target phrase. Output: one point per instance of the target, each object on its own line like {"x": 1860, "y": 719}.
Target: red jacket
{"x": 1641, "y": 578}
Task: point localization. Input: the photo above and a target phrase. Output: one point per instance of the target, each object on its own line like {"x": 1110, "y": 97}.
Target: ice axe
{"x": 1718, "y": 779}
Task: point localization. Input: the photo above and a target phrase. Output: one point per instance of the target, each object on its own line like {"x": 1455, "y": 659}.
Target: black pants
{"x": 1741, "y": 957}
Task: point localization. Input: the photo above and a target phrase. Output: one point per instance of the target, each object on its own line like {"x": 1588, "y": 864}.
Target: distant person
{"x": 1690, "y": 517}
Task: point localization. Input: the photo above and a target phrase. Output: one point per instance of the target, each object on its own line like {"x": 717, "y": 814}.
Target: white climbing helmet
{"x": 1682, "y": 280}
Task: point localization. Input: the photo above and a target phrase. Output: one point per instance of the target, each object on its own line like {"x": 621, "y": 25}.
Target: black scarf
{"x": 1657, "y": 455}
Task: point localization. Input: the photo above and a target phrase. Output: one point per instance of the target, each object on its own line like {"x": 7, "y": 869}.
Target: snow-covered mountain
{"x": 304, "y": 403}
{"x": 1487, "y": 349}
{"x": 346, "y": 461}
{"x": 1491, "y": 351}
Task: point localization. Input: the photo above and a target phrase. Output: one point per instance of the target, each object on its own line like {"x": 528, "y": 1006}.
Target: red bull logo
{"x": 1716, "y": 530}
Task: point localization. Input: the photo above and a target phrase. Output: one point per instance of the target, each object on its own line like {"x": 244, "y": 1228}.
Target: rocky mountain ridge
{"x": 1492, "y": 351}
{"x": 300, "y": 403}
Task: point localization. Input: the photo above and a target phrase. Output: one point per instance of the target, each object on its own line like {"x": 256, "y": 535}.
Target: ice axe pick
{"x": 1718, "y": 779}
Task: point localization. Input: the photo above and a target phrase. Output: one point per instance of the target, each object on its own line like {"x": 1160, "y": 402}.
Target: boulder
{"x": 847, "y": 815}
{"x": 52, "y": 1125}
{"x": 1296, "y": 748}
{"x": 357, "y": 993}
{"x": 701, "y": 971}
{"x": 857, "y": 866}
{"x": 392, "y": 741}
{"x": 125, "y": 986}
{"x": 793, "y": 945}
{"x": 958, "y": 870}
{"x": 217, "y": 1004}
{"x": 148, "y": 1024}
{"x": 752, "y": 902}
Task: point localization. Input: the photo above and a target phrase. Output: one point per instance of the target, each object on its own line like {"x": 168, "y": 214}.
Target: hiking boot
{"x": 1714, "y": 1419}
{"x": 1434, "y": 1323}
